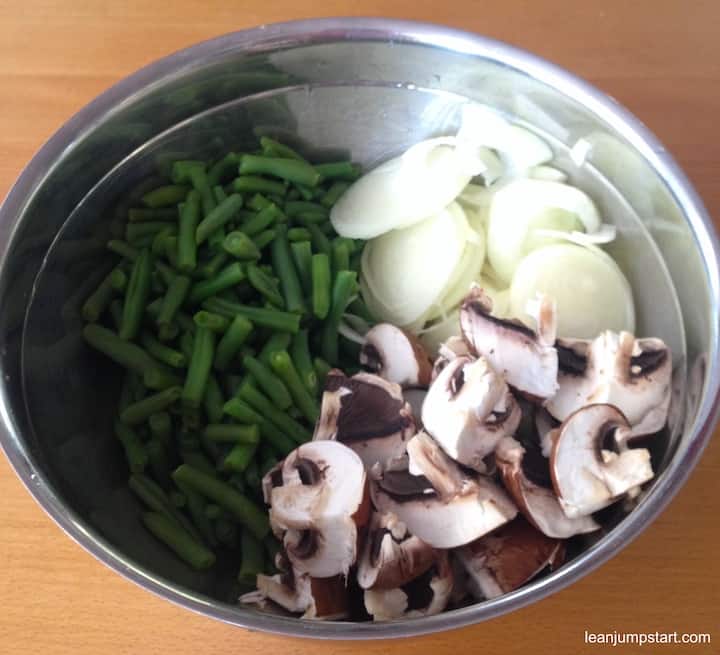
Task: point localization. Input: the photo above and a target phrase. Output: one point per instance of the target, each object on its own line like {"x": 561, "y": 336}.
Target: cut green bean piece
{"x": 257, "y": 203}
{"x": 140, "y": 411}
{"x": 165, "y": 196}
{"x": 122, "y": 352}
{"x": 298, "y": 234}
{"x": 219, "y": 194}
{"x": 230, "y": 343}
{"x": 136, "y": 296}
{"x": 305, "y": 192}
{"x": 343, "y": 289}
{"x": 265, "y": 285}
{"x": 135, "y": 454}
{"x": 160, "y": 425}
{"x": 178, "y": 540}
{"x": 211, "y": 267}
{"x": 252, "y": 475}
{"x": 199, "y": 369}
{"x": 269, "y": 318}
{"x": 320, "y": 242}
{"x": 141, "y": 214}
{"x": 342, "y": 170}
{"x": 194, "y": 172}
{"x": 163, "y": 353}
{"x": 273, "y": 148}
{"x": 239, "y": 457}
{"x": 99, "y": 300}
{"x": 290, "y": 427}
{"x": 166, "y": 273}
{"x": 268, "y": 382}
{"x": 294, "y": 208}
{"x": 270, "y": 433}
{"x": 332, "y": 195}
{"x": 262, "y": 220}
{"x": 302, "y": 256}
{"x": 213, "y": 512}
{"x": 230, "y": 276}
{"x": 221, "y": 493}
{"x": 253, "y": 559}
{"x": 241, "y": 246}
{"x": 134, "y": 231}
{"x": 159, "y": 462}
{"x": 276, "y": 342}
{"x": 196, "y": 508}
{"x": 300, "y": 353}
{"x": 321, "y": 285}
{"x": 226, "y": 531}
{"x": 292, "y": 170}
{"x": 284, "y": 368}
{"x": 322, "y": 368}
{"x": 199, "y": 461}
{"x": 213, "y": 400}
{"x": 223, "y": 170}
{"x": 189, "y": 220}
{"x": 160, "y": 378}
{"x": 227, "y": 433}
{"x": 255, "y": 184}
{"x": 285, "y": 270}
{"x": 341, "y": 257}
{"x": 123, "y": 249}
{"x": 172, "y": 301}
{"x": 211, "y": 321}
{"x": 186, "y": 344}
{"x": 265, "y": 238}
{"x": 223, "y": 213}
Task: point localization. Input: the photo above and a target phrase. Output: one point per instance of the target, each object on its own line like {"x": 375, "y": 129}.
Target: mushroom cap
{"x": 591, "y": 464}
{"x": 396, "y": 356}
{"x": 426, "y": 595}
{"x": 366, "y": 413}
{"x": 451, "y": 348}
{"x": 468, "y": 409}
{"x": 509, "y": 557}
{"x": 441, "y": 503}
{"x": 633, "y": 374}
{"x": 526, "y": 358}
{"x": 538, "y": 504}
{"x": 317, "y": 504}
{"x": 391, "y": 556}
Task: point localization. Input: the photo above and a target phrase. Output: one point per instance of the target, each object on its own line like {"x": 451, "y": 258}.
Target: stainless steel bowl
{"x": 365, "y": 87}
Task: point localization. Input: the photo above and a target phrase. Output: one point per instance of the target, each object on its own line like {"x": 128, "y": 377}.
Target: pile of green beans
{"x": 222, "y": 306}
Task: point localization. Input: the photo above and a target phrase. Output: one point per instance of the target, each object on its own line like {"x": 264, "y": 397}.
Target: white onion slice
{"x": 590, "y": 290}
{"x": 548, "y": 173}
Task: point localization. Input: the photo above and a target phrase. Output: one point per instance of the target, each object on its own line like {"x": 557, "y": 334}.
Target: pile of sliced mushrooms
{"x": 432, "y": 484}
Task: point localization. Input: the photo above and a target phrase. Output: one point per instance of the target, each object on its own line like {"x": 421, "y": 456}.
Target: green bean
{"x": 304, "y": 191}
{"x": 138, "y": 389}
{"x": 359, "y": 308}
{"x": 140, "y": 214}
{"x": 115, "y": 308}
{"x": 118, "y": 279}
{"x": 321, "y": 285}
{"x": 343, "y": 289}
{"x": 159, "y": 462}
{"x": 230, "y": 276}
{"x": 265, "y": 285}
{"x": 196, "y": 508}
{"x": 194, "y": 172}
{"x": 240, "y": 246}
{"x": 230, "y": 343}
{"x": 160, "y": 425}
{"x": 213, "y": 512}
{"x": 227, "y": 433}
{"x": 161, "y": 352}
{"x": 221, "y": 493}
{"x": 165, "y": 196}
{"x": 211, "y": 321}
{"x": 226, "y": 531}
{"x": 213, "y": 400}
{"x": 139, "y": 412}
{"x": 160, "y": 379}
{"x": 267, "y": 464}
{"x": 284, "y": 368}
{"x": 341, "y": 257}
{"x": 219, "y": 194}
{"x": 319, "y": 241}
{"x": 300, "y": 354}
{"x": 178, "y": 540}
{"x": 270, "y": 433}
{"x": 186, "y": 344}
{"x": 260, "y": 316}
{"x": 171, "y": 250}
{"x": 248, "y": 393}
{"x": 252, "y": 475}
{"x": 198, "y": 461}
{"x": 223, "y": 213}
{"x": 268, "y": 382}
{"x": 262, "y": 220}
{"x": 188, "y": 223}
{"x": 239, "y": 457}
{"x": 172, "y": 301}
{"x": 277, "y": 341}
{"x": 123, "y": 249}
{"x": 265, "y": 238}
{"x": 285, "y": 270}
{"x": 199, "y": 369}
{"x": 302, "y": 257}
{"x": 178, "y": 499}
{"x": 291, "y": 170}
{"x": 255, "y": 184}
{"x": 135, "y": 454}
{"x": 298, "y": 234}
{"x": 99, "y": 300}
{"x": 253, "y": 559}
{"x": 294, "y": 208}
{"x": 212, "y": 266}
{"x": 342, "y": 170}
{"x": 332, "y": 195}
{"x": 136, "y": 296}
{"x": 166, "y": 273}
{"x": 322, "y": 368}
{"x": 223, "y": 169}
{"x": 272, "y": 148}
{"x": 258, "y": 202}
{"x": 134, "y": 231}
{"x": 122, "y": 352}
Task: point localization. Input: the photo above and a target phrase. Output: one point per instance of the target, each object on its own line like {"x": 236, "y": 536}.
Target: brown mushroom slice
{"x": 319, "y": 506}
{"x": 449, "y": 350}
{"x": 591, "y": 464}
{"x": 633, "y": 374}
{"x": 366, "y": 413}
{"x": 537, "y": 502}
{"x": 396, "y": 356}
{"x": 544, "y": 426}
{"x": 525, "y": 357}
{"x": 314, "y": 598}
{"x": 508, "y": 558}
{"x": 392, "y": 556}
{"x": 441, "y": 504}
{"x": 426, "y": 595}
{"x": 468, "y": 409}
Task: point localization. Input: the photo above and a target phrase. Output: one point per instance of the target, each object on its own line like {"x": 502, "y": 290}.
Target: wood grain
{"x": 659, "y": 58}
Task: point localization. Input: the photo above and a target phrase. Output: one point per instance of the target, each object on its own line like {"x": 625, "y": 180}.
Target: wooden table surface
{"x": 660, "y": 58}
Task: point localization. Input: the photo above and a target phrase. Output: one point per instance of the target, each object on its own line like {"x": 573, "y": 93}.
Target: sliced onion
{"x": 525, "y": 204}
{"x": 548, "y": 173}
{"x": 432, "y": 336}
{"x": 590, "y": 290}
{"x": 404, "y": 272}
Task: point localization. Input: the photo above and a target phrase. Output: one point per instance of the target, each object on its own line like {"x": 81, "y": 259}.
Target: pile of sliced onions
{"x": 434, "y": 231}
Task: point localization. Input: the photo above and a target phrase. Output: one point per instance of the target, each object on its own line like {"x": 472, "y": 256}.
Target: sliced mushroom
{"x": 591, "y": 464}
{"x": 544, "y": 425}
{"x": 396, "y": 356}
{"x": 415, "y": 398}
{"x": 318, "y": 502}
{"x": 509, "y": 557}
{"x": 468, "y": 409}
{"x": 449, "y": 350}
{"x": 366, "y": 413}
{"x": 391, "y": 556}
{"x": 314, "y": 598}
{"x": 527, "y": 358}
{"x": 440, "y": 503}
{"x": 633, "y": 374}
{"x": 526, "y": 476}
{"x": 426, "y": 595}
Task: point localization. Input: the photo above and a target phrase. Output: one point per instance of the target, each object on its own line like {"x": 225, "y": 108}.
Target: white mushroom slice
{"x": 366, "y": 413}
{"x": 525, "y": 357}
{"x": 392, "y": 557}
{"x": 468, "y": 409}
{"x": 396, "y": 356}
{"x": 505, "y": 560}
{"x": 591, "y": 464}
{"x": 426, "y": 595}
{"x": 451, "y": 348}
{"x": 633, "y": 374}
{"x": 527, "y": 479}
{"x": 314, "y": 598}
{"x": 544, "y": 424}
{"x": 440, "y": 503}
{"x": 318, "y": 503}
